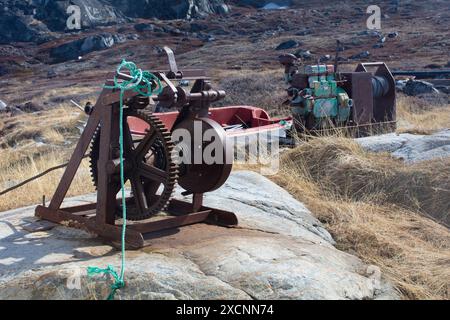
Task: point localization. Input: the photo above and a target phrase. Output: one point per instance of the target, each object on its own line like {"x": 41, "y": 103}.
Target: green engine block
{"x": 320, "y": 99}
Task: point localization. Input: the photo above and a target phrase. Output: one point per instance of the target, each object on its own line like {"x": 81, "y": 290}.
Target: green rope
{"x": 119, "y": 283}
{"x": 143, "y": 83}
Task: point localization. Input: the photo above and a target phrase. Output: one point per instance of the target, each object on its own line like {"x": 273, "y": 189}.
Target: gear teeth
{"x": 171, "y": 167}
{"x": 169, "y": 155}
{"x": 94, "y": 155}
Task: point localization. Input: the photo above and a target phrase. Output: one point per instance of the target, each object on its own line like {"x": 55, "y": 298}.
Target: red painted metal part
{"x": 253, "y": 119}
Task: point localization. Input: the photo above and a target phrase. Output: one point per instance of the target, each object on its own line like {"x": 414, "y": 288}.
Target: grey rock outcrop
{"x": 418, "y": 87}
{"x": 361, "y": 55}
{"x": 170, "y": 9}
{"x": 263, "y": 3}
{"x": 74, "y": 49}
{"x": 34, "y": 20}
{"x": 278, "y": 251}
{"x": 288, "y": 44}
{"x": 3, "y": 106}
{"x": 410, "y": 147}
{"x": 43, "y": 20}
{"x": 17, "y": 24}
{"x": 92, "y": 13}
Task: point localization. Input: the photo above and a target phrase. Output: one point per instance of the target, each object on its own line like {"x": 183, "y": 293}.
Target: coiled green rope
{"x": 143, "y": 83}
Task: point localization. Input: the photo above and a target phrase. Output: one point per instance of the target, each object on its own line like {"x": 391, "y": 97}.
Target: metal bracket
{"x": 174, "y": 72}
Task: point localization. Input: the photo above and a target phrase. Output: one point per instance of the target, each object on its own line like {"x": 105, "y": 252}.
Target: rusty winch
{"x": 150, "y": 160}
{"x": 322, "y": 98}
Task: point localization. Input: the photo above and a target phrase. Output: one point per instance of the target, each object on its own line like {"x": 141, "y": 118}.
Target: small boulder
{"x": 97, "y": 42}
{"x": 353, "y": 42}
{"x": 184, "y": 83}
{"x": 132, "y": 36}
{"x": 304, "y": 32}
{"x": 393, "y": 35}
{"x": 370, "y": 33}
{"x": 325, "y": 58}
{"x": 196, "y": 27}
{"x": 140, "y": 27}
{"x": 342, "y": 59}
{"x": 274, "y": 6}
{"x": 174, "y": 31}
{"x": 303, "y": 54}
{"x": 74, "y": 49}
{"x": 3, "y": 106}
{"x": 206, "y": 37}
{"x": 433, "y": 66}
{"x": 222, "y": 9}
{"x": 418, "y": 87}
{"x": 361, "y": 55}
{"x": 3, "y": 70}
{"x": 51, "y": 74}
{"x": 29, "y": 107}
{"x": 289, "y": 44}
{"x": 119, "y": 38}
{"x": 149, "y": 27}
{"x": 14, "y": 111}
{"x": 400, "y": 85}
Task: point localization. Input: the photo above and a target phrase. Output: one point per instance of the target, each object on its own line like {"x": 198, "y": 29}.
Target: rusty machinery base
{"x": 179, "y": 213}
{"x": 148, "y": 163}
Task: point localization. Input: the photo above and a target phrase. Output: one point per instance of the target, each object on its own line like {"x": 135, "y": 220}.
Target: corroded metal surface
{"x": 149, "y": 162}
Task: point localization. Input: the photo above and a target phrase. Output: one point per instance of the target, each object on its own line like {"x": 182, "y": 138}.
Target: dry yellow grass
{"x": 32, "y": 143}
{"x": 264, "y": 89}
{"x": 417, "y": 116}
{"x": 32, "y": 193}
{"x": 17, "y": 129}
{"x": 354, "y": 193}
{"x": 69, "y": 91}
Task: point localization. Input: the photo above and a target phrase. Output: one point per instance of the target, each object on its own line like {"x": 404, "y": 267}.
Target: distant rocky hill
{"x": 260, "y": 3}
{"x": 35, "y": 20}
{"x": 93, "y": 13}
{"x": 171, "y": 9}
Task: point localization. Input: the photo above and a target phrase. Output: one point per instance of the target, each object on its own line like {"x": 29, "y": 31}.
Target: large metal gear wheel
{"x": 149, "y": 163}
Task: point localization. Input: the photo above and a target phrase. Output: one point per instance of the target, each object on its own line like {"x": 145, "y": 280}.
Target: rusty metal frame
{"x": 99, "y": 217}
{"x": 372, "y": 115}
{"x": 384, "y": 107}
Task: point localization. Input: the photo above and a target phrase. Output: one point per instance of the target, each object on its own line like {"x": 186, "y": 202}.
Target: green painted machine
{"x": 321, "y": 98}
